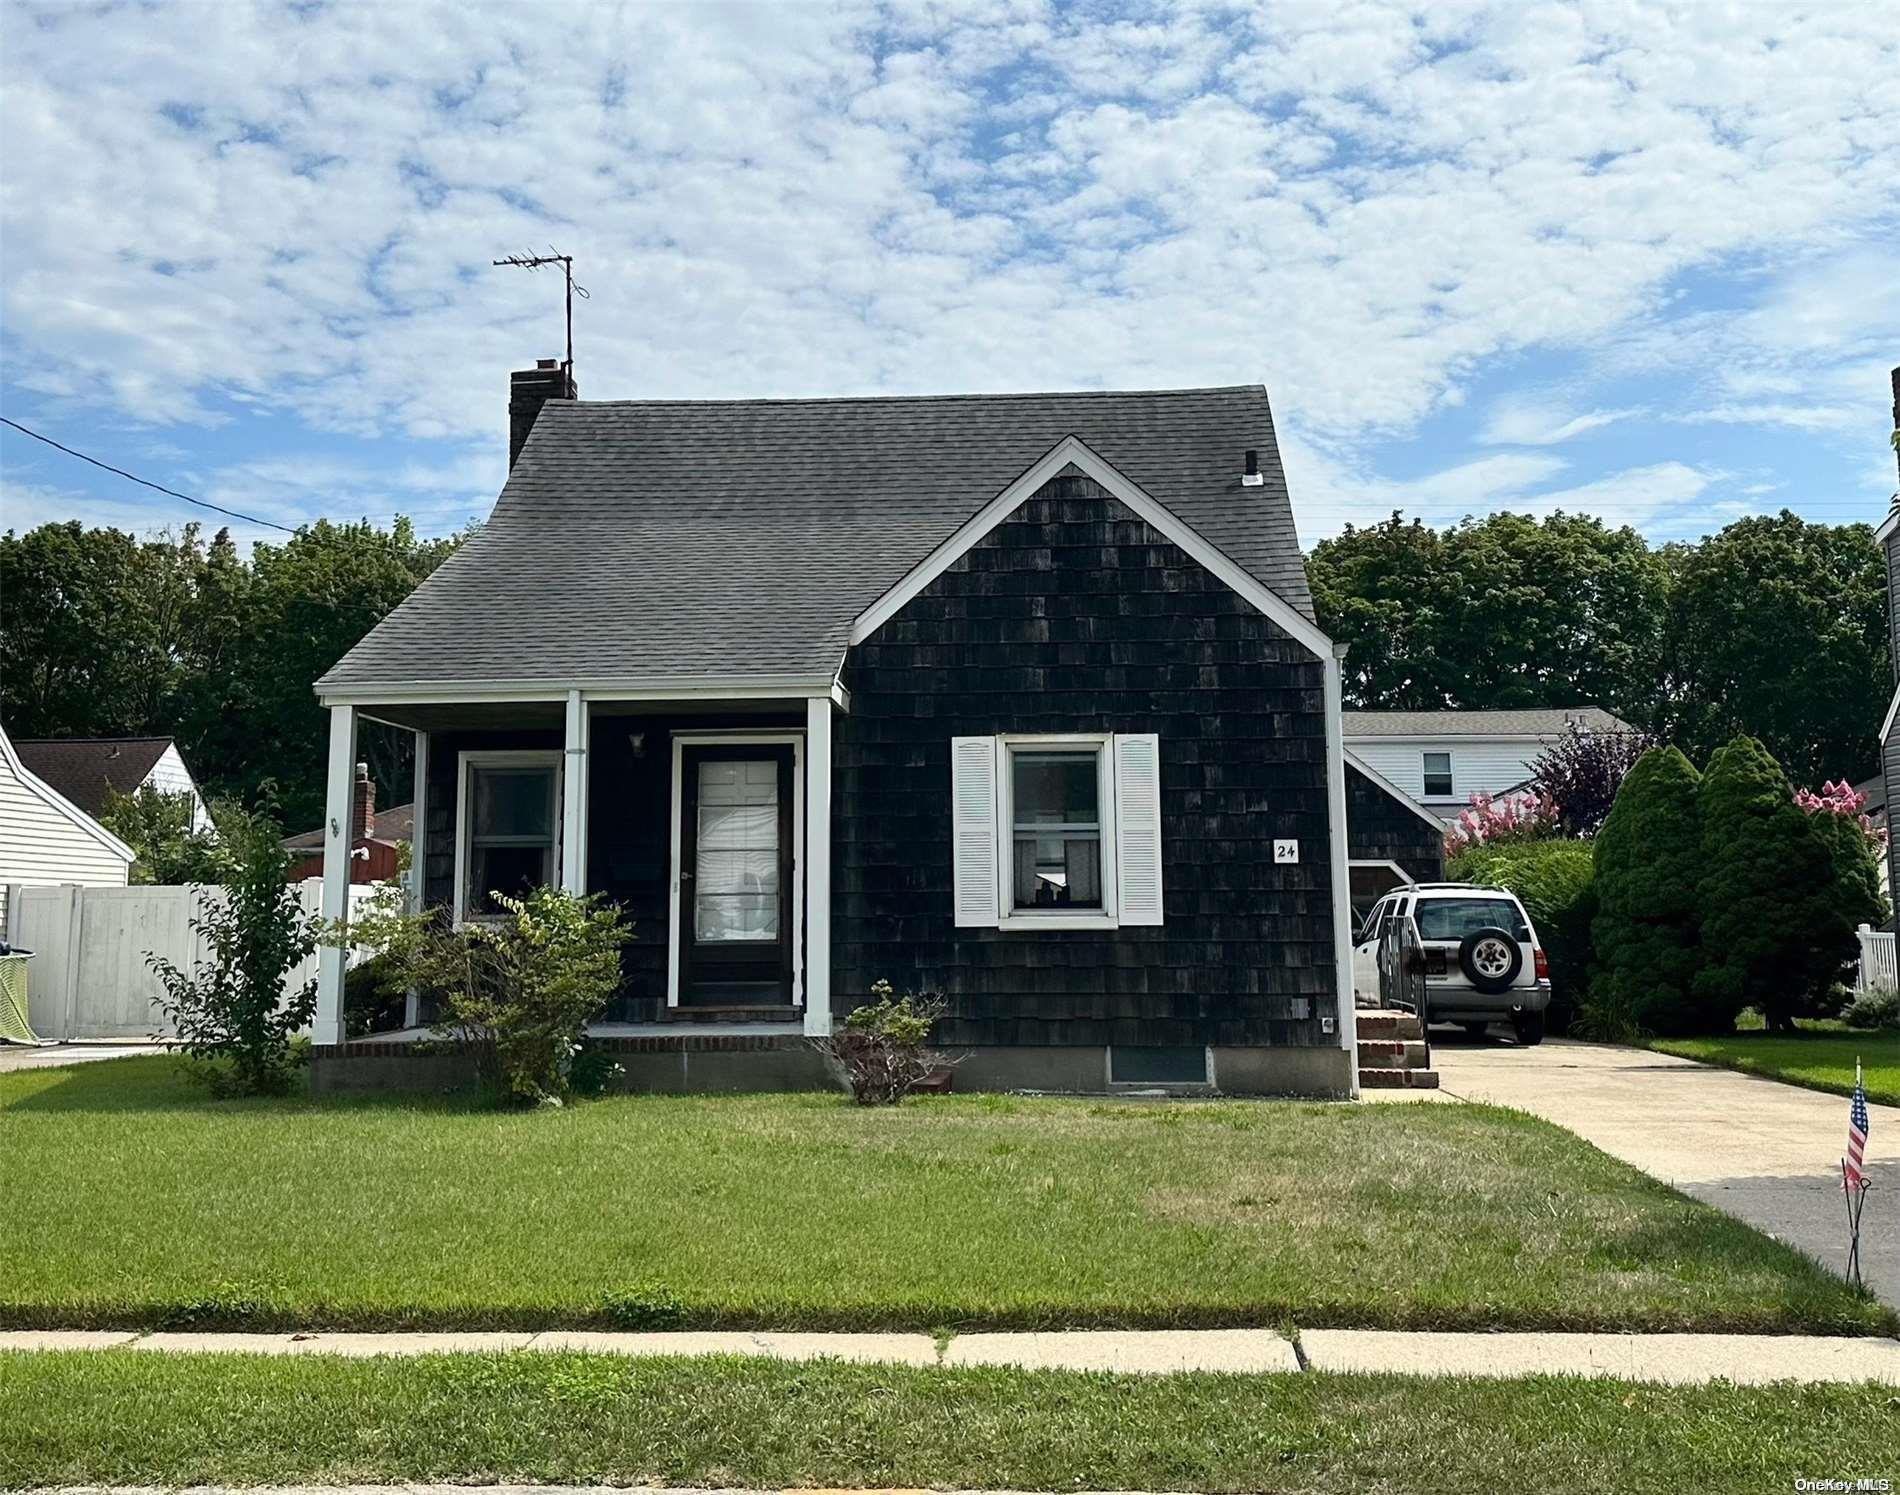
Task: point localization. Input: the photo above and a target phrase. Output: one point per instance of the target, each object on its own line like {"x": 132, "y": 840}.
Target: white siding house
{"x": 1442, "y": 758}
{"x": 45, "y": 838}
{"x": 89, "y": 770}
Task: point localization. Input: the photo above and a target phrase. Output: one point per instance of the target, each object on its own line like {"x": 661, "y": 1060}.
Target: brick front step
{"x": 1381, "y": 1023}
{"x": 1391, "y": 1053}
{"x": 1398, "y": 1079}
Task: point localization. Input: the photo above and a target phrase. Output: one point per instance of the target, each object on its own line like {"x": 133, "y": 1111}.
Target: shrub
{"x": 375, "y": 997}
{"x": 1582, "y": 771}
{"x": 1555, "y": 881}
{"x": 643, "y": 1305}
{"x": 234, "y": 1019}
{"x": 1645, "y": 934}
{"x": 1489, "y": 820}
{"x": 1877, "y": 1007}
{"x": 881, "y": 1054}
{"x": 519, "y": 989}
{"x": 1774, "y": 934}
{"x": 156, "y": 824}
{"x": 1854, "y": 847}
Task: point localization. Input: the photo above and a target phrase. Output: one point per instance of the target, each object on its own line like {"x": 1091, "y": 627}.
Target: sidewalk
{"x": 1676, "y": 1359}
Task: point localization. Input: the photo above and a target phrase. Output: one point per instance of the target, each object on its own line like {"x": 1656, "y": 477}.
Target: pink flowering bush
{"x": 1511, "y": 817}
{"x": 1841, "y": 799}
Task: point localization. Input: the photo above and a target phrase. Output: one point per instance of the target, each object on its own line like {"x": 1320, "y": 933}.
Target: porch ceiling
{"x": 477, "y": 716}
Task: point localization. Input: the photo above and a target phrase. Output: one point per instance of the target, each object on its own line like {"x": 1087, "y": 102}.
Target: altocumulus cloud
{"x": 289, "y": 211}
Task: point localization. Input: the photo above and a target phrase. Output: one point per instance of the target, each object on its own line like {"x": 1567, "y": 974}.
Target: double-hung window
{"x": 1438, "y": 776}
{"x": 507, "y": 828}
{"x": 1057, "y": 831}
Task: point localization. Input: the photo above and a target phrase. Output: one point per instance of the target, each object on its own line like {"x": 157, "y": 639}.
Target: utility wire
{"x": 146, "y": 482}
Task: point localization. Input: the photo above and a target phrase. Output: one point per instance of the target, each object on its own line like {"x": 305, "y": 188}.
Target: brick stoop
{"x": 1392, "y": 1052}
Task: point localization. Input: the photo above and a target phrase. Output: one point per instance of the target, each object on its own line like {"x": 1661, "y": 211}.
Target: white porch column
{"x": 327, "y": 1027}
{"x": 574, "y": 797}
{"x": 418, "y": 860}
{"x": 817, "y": 853}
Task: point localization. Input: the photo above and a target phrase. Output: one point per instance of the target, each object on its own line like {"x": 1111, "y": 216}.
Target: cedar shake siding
{"x": 1381, "y": 829}
{"x": 1074, "y": 615}
{"x": 1890, "y": 766}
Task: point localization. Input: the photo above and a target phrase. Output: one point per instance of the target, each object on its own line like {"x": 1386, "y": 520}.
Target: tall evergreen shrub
{"x": 1648, "y": 857}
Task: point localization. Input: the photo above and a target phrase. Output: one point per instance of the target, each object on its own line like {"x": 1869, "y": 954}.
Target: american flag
{"x": 1856, "y": 1133}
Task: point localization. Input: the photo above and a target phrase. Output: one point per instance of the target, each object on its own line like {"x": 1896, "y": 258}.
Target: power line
{"x": 146, "y": 482}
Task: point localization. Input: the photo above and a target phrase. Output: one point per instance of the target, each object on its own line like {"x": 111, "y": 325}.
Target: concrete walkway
{"x": 1679, "y": 1359}
{"x": 14, "y": 1056}
{"x": 1766, "y": 1152}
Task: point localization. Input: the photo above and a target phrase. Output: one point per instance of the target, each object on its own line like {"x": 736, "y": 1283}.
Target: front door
{"x": 736, "y": 917}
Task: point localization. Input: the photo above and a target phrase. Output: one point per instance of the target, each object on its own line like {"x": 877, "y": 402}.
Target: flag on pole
{"x": 1856, "y": 1134}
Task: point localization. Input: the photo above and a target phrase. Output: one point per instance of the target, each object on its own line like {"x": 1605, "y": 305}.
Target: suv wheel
{"x": 1490, "y": 959}
{"x": 1529, "y": 1027}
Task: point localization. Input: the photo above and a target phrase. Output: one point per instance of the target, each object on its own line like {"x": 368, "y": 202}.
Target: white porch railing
{"x": 1878, "y": 964}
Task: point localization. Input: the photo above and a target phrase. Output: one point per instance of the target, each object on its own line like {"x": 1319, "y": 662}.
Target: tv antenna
{"x": 566, "y": 262}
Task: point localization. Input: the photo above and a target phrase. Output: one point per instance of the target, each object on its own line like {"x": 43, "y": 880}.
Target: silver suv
{"x": 1483, "y": 961}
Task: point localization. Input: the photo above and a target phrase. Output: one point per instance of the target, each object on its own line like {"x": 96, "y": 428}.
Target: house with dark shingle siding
{"x": 1016, "y": 698}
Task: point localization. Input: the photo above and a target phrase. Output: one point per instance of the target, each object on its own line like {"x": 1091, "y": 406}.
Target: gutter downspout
{"x": 1341, "y": 869}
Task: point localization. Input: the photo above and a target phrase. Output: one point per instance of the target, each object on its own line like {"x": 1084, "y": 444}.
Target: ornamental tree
{"x": 1582, "y": 771}
{"x": 1647, "y": 929}
{"x": 1856, "y": 845}
{"x": 1773, "y": 932}
{"x": 1489, "y": 819}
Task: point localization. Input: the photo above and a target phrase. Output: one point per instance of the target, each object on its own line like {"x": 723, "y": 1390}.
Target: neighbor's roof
{"x": 1542, "y": 722}
{"x": 666, "y": 538}
{"x": 397, "y": 823}
{"x": 83, "y": 768}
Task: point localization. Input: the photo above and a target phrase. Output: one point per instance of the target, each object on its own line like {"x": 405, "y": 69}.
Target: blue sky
{"x": 1637, "y": 260}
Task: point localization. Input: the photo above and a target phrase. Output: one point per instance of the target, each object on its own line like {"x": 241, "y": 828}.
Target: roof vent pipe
{"x": 1251, "y": 478}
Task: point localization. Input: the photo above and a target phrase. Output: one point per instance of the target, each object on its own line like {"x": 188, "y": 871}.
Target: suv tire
{"x": 1490, "y": 959}
{"x": 1529, "y": 1028}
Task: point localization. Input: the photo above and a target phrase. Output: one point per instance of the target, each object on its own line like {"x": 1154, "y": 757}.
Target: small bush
{"x": 1876, "y": 1008}
{"x": 234, "y": 1019}
{"x": 880, "y": 1054}
{"x": 1555, "y": 881}
{"x": 375, "y": 997}
{"x": 593, "y": 1070}
{"x": 643, "y": 1305}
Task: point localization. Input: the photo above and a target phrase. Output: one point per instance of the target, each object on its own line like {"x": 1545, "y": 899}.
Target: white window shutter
{"x": 1138, "y": 826}
{"x": 973, "y": 830}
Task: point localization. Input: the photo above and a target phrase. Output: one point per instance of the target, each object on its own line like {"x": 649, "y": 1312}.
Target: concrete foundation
{"x": 711, "y": 1063}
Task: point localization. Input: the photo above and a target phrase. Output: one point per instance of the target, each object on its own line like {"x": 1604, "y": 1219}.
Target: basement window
{"x": 1137, "y": 1064}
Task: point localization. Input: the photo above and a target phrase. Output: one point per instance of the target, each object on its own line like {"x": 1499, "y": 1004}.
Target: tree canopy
{"x": 103, "y": 634}
{"x": 1774, "y": 627}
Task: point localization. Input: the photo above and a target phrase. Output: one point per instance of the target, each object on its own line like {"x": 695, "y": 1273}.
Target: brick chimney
{"x": 528, "y": 391}
{"x": 362, "y": 806}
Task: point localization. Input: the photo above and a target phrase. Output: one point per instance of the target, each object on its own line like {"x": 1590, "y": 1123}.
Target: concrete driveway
{"x": 1766, "y": 1152}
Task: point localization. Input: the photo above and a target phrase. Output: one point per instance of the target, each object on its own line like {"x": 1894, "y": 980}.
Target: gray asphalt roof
{"x": 1538, "y": 722}
{"x": 668, "y": 538}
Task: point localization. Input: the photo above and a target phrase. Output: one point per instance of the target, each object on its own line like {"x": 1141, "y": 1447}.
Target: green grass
{"x": 125, "y": 1418}
{"x": 131, "y": 1199}
{"x": 1819, "y": 1056}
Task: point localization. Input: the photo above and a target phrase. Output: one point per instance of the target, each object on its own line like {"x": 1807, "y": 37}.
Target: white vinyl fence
{"x": 88, "y": 977}
{"x": 1878, "y": 967}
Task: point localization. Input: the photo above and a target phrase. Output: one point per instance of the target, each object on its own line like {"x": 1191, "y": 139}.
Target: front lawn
{"x": 125, "y": 1418}
{"x": 132, "y": 1199}
{"x": 1820, "y": 1056}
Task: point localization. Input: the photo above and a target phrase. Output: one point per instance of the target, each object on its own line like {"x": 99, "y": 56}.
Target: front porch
{"x": 704, "y": 813}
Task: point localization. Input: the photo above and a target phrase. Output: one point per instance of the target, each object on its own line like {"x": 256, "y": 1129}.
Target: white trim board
{"x": 1886, "y": 722}
{"x": 592, "y": 688}
{"x": 728, "y": 738}
{"x": 1353, "y": 760}
{"x": 1073, "y": 451}
{"x": 40, "y": 789}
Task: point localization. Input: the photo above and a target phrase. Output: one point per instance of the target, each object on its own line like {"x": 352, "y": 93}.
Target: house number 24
{"x": 1285, "y": 853}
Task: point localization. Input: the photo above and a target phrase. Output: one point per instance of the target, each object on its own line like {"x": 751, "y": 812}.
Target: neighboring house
{"x": 87, "y": 769}
{"x": 377, "y": 838}
{"x": 1887, "y": 537}
{"x": 1391, "y": 837}
{"x": 1442, "y": 758}
{"x": 45, "y": 838}
{"x": 1019, "y": 698}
